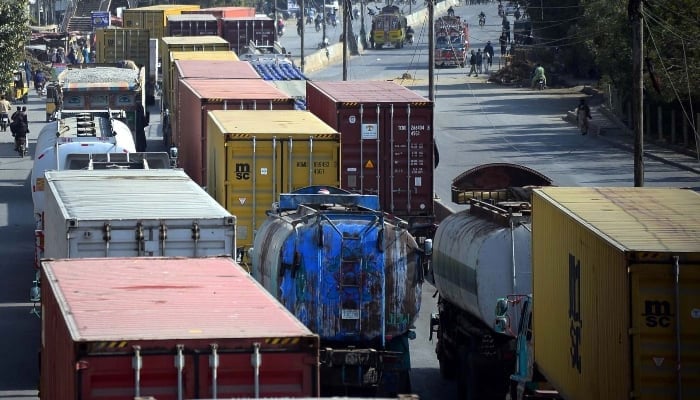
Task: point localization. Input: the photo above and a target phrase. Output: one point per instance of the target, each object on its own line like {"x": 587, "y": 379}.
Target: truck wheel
{"x": 404, "y": 383}
{"x": 466, "y": 384}
{"x": 448, "y": 368}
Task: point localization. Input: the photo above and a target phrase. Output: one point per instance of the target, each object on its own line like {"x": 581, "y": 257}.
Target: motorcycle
{"x": 482, "y": 21}
{"x": 323, "y": 44}
{"x": 318, "y": 25}
{"x": 355, "y": 13}
{"x": 22, "y": 145}
{"x": 280, "y": 31}
{"x": 409, "y": 35}
{"x": 540, "y": 84}
{"x": 371, "y": 12}
{"x": 4, "y": 121}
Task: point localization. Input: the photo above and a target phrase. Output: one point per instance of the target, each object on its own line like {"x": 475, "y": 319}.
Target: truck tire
{"x": 448, "y": 368}
{"x": 466, "y": 384}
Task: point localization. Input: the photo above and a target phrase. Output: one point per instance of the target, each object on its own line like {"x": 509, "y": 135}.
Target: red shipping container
{"x": 193, "y": 25}
{"x": 240, "y": 31}
{"x": 225, "y": 12}
{"x": 116, "y": 328}
{"x": 387, "y": 145}
{"x": 203, "y": 95}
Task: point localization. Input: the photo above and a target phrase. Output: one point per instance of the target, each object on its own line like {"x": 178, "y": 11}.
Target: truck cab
{"x": 389, "y": 28}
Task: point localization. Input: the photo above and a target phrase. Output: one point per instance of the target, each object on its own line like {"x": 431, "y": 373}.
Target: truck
{"x": 86, "y": 140}
{"x": 352, "y": 274}
{"x": 170, "y": 44}
{"x": 204, "y": 95}
{"x": 613, "y": 311}
{"x": 451, "y": 41}
{"x": 388, "y": 145}
{"x": 253, "y": 156}
{"x": 97, "y": 86}
{"x": 479, "y": 255}
{"x": 170, "y": 328}
{"x": 193, "y": 25}
{"x": 388, "y": 28}
{"x": 240, "y": 31}
{"x": 117, "y": 44}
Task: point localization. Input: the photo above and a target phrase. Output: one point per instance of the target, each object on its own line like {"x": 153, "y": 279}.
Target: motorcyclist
{"x": 537, "y": 74}
{"x": 451, "y": 12}
{"x": 280, "y": 26}
{"x": 409, "y": 34}
{"x": 488, "y": 49}
{"x": 39, "y": 80}
{"x": 5, "y": 108}
{"x": 21, "y": 127}
{"x": 300, "y": 26}
{"x": 317, "y": 22}
{"x": 482, "y": 18}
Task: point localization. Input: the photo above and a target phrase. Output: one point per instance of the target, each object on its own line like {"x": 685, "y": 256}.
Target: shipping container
{"x": 199, "y": 96}
{"x": 171, "y": 44}
{"x": 253, "y": 156}
{"x": 153, "y": 18}
{"x": 225, "y": 12}
{"x": 171, "y": 328}
{"x": 388, "y": 147}
{"x": 241, "y": 31}
{"x": 130, "y": 213}
{"x": 193, "y": 25}
{"x": 616, "y": 284}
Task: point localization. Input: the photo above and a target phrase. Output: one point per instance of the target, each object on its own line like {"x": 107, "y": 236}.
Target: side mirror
{"x": 501, "y": 307}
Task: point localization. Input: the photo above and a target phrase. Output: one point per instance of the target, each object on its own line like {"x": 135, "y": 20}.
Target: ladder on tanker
{"x": 351, "y": 284}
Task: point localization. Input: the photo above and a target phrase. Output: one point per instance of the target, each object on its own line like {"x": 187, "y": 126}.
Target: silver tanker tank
{"x": 482, "y": 254}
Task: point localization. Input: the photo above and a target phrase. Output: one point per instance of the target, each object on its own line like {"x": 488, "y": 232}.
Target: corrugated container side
{"x": 57, "y": 361}
{"x": 153, "y": 18}
{"x": 86, "y": 347}
{"x": 580, "y": 328}
{"x": 240, "y": 31}
{"x": 247, "y": 172}
{"x": 123, "y": 44}
{"x": 204, "y": 95}
{"x": 226, "y": 12}
{"x": 388, "y": 146}
{"x": 606, "y": 327}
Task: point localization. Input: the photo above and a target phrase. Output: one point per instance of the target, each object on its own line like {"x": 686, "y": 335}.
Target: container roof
{"x": 212, "y": 55}
{"x": 636, "y": 219}
{"x": 281, "y": 122}
{"x": 221, "y": 69}
{"x": 132, "y": 194}
{"x": 369, "y": 91}
{"x": 193, "y": 40}
{"x": 248, "y": 90}
{"x": 165, "y": 298}
{"x": 191, "y": 17}
{"x": 163, "y": 7}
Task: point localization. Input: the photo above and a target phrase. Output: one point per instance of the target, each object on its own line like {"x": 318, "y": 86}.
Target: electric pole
{"x": 431, "y": 49}
{"x": 346, "y": 21}
{"x": 302, "y": 23}
{"x": 363, "y": 33}
{"x": 635, "y": 14}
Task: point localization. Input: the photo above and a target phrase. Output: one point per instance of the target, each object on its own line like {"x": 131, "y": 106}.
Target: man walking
{"x": 479, "y": 61}
{"x": 583, "y": 114}
{"x": 472, "y": 62}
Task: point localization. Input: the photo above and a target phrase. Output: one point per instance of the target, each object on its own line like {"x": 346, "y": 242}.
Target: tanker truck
{"x": 478, "y": 256}
{"x": 352, "y": 275}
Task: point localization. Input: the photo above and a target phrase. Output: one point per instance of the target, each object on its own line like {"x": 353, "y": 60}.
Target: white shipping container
{"x": 133, "y": 213}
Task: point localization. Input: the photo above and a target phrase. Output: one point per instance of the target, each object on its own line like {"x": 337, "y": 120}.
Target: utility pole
{"x": 363, "y": 33}
{"x": 635, "y": 14}
{"x": 431, "y": 49}
{"x": 303, "y": 24}
{"x": 346, "y": 21}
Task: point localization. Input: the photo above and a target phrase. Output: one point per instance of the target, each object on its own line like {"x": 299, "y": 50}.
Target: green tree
{"x": 14, "y": 30}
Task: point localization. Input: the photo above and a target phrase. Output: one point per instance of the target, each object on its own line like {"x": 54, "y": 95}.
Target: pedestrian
{"x": 479, "y": 61}
{"x": 71, "y": 56}
{"x": 583, "y": 114}
{"x": 506, "y": 28}
{"x": 488, "y": 49}
{"x": 502, "y": 42}
{"x": 86, "y": 55}
{"x": 472, "y": 62}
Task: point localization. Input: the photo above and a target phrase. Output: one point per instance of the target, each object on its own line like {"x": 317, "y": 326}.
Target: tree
{"x": 14, "y": 31}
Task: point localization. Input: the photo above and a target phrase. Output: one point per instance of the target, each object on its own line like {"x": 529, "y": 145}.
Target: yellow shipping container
{"x": 116, "y": 44}
{"x": 616, "y": 286}
{"x": 172, "y": 44}
{"x": 153, "y": 18}
{"x": 253, "y": 156}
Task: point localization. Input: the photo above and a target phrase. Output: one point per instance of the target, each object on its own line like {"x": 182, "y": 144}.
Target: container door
{"x": 252, "y": 183}
{"x": 666, "y": 319}
{"x": 407, "y": 156}
{"x": 311, "y": 161}
{"x": 361, "y": 161}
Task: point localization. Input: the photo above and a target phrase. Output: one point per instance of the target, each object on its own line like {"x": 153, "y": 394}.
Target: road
{"x": 476, "y": 122}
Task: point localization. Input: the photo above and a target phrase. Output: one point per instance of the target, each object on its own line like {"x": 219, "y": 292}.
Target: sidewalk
{"x": 606, "y": 126}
